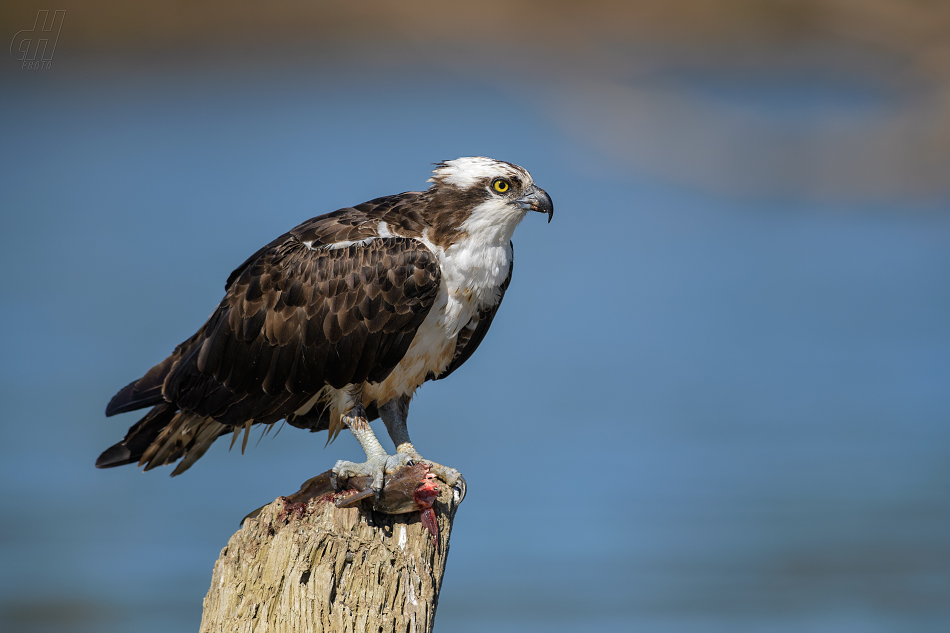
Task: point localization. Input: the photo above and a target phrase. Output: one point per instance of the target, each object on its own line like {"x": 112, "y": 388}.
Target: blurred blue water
{"x": 692, "y": 414}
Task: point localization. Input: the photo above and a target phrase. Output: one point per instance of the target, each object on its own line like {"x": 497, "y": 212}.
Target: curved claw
{"x": 334, "y": 477}
{"x": 460, "y": 488}
{"x": 379, "y": 480}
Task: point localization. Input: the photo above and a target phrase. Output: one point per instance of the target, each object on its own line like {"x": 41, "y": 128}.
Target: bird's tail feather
{"x": 187, "y": 437}
{"x": 144, "y": 392}
{"x": 164, "y": 436}
{"x": 138, "y": 439}
{"x": 148, "y": 390}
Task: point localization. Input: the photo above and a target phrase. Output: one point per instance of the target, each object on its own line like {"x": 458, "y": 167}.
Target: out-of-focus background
{"x": 716, "y": 398}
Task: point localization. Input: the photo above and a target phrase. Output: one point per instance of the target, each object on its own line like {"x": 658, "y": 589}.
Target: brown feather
{"x": 247, "y": 434}
{"x": 294, "y": 319}
{"x": 234, "y": 436}
{"x": 204, "y": 438}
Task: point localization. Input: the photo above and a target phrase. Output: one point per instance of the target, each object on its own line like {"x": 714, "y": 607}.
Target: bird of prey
{"x": 339, "y": 321}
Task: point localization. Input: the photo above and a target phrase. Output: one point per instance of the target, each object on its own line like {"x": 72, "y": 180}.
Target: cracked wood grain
{"x": 330, "y": 569}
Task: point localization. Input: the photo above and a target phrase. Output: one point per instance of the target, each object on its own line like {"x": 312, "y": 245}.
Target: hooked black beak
{"x": 537, "y": 199}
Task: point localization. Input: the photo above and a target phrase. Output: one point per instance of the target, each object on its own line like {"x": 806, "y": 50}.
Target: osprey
{"x": 339, "y": 321}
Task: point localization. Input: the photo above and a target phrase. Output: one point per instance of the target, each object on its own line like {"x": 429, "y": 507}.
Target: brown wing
{"x": 348, "y": 224}
{"x": 471, "y": 337}
{"x": 296, "y": 317}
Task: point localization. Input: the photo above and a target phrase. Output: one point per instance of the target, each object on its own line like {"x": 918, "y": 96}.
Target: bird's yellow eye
{"x": 501, "y": 185}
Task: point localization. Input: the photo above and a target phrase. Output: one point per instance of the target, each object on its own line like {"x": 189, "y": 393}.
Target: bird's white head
{"x": 495, "y": 195}
{"x": 470, "y": 171}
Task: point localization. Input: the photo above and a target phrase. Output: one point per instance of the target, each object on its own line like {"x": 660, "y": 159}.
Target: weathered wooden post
{"x": 304, "y": 565}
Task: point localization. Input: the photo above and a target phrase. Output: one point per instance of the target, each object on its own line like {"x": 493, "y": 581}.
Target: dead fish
{"x": 411, "y": 489}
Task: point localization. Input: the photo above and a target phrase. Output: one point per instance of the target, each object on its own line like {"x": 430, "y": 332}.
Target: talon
{"x": 335, "y": 475}
{"x": 378, "y": 484}
{"x": 460, "y": 488}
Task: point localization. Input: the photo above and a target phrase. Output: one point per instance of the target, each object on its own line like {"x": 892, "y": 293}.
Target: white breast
{"x": 473, "y": 270}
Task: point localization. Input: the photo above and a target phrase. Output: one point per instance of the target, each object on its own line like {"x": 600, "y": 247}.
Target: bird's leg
{"x": 378, "y": 463}
{"x": 394, "y": 414}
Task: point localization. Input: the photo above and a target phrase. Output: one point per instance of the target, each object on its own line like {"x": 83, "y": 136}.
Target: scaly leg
{"x": 378, "y": 463}
{"x": 394, "y": 414}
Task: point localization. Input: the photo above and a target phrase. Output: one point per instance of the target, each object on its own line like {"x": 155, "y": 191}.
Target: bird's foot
{"x": 375, "y": 467}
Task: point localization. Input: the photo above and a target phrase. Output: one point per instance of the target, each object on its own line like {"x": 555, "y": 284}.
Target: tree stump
{"x": 311, "y": 566}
